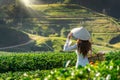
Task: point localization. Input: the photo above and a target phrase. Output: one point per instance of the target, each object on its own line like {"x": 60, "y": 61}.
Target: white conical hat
{"x": 81, "y": 33}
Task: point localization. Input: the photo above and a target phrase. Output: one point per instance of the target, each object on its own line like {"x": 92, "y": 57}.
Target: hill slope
{"x": 9, "y": 37}
{"x": 54, "y": 21}
{"x": 49, "y": 19}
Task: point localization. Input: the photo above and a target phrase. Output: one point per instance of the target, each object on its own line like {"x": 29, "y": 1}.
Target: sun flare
{"x": 26, "y": 2}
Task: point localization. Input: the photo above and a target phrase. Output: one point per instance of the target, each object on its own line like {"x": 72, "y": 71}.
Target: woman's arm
{"x": 67, "y": 46}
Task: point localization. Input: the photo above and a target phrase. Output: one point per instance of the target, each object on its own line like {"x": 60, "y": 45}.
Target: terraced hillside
{"x": 54, "y": 21}
{"x": 56, "y": 16}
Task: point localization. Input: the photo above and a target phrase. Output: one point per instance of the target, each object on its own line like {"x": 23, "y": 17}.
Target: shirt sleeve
{"x": 67, "y": 46}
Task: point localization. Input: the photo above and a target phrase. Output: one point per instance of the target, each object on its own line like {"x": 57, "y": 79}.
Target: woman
{"x": 83, "y": 45}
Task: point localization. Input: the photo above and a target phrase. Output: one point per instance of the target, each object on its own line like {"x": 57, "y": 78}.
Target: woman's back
{"x": 81, "y": 60}
{"x": 83, "y": 45}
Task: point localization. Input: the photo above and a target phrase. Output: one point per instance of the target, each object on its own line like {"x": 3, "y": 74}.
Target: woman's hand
{"x": 69, "y": 35}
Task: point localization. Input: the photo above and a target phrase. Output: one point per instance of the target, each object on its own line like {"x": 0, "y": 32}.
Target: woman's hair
{"x": 83, "y": 46}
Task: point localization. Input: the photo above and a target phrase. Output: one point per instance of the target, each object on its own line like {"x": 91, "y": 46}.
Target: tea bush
{"x": 113, "y": 55}
{"x": 34, "y": 61}
{"x": 106, "y": 70}
{"x": 39, "y": 60}
{"x": 29, "y": 75}
{"x": 98, "y": 71}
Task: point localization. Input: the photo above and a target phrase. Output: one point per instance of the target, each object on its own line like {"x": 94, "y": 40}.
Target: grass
{"x": 99, "y": 48}
{"x": 96, "y": 46}
{"x": 73, "y": 15}
{"x": 60, "y": 10}
{"x": 104, "y": 38}
{"x": 100, "y": 43}
{"x": 38, "y": 39}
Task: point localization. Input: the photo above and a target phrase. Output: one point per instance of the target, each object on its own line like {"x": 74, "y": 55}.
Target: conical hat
{"x": 81, "y": 33}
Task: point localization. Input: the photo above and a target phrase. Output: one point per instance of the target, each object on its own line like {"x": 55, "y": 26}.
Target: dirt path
{"x": 17, "y": 45}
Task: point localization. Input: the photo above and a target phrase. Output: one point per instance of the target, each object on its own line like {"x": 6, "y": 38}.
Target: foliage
{"x": 98, "y": 71}
{"x": 51, "y": 44}
{"x": 25, "y": 63}
{"x": 38, "y": 60}
{"x": 113, "y": 55}
{"x": 34, "y": 61}
{"x": 13, "y": 9}
{"x": 28, "y": 75}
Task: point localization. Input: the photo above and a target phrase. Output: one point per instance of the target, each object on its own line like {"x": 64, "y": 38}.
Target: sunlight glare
{"x": 26, "y": 2}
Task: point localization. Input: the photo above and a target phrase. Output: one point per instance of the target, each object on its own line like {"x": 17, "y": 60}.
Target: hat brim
{"x": 81, "y": 33}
